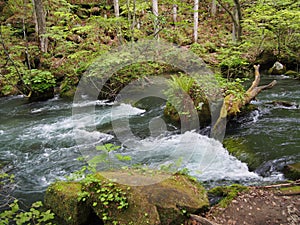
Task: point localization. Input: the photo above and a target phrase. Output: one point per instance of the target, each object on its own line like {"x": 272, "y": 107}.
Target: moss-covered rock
{"x": 62, "y": 199}
{"x": 292, "y": 171}
{"x": 167, "y": 202}
{"x": 239, "y": 148}
{"x": 175, "y": 197}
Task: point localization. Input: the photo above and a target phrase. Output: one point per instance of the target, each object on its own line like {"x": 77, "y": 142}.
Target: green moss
{"x": 290, "y": 190}
{"x": 228, "y": 193}
{"x": 292, "y": 171}
{"x": 239, "y": 148}
{"x": 62, "y": 198}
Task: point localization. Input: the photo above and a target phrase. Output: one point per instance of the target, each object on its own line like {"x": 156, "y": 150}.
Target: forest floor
{"x": 259, "y": 206}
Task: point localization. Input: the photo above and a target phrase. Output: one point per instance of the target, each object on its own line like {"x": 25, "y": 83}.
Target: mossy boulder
{"x": 167, "y": 202}
{"x": 62, "y": 198}
{"x": 292, "y": 171}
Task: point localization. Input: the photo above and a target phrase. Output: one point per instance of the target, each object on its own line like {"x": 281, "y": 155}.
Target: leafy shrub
{"x": 38, "y": 80}
{"x": 13, "y": 214}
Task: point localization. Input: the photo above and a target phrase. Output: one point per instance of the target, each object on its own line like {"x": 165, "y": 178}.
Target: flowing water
{"x": 38, "y": 140}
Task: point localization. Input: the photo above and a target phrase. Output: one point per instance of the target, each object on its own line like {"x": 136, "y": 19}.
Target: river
{"x": 38, "y": 141}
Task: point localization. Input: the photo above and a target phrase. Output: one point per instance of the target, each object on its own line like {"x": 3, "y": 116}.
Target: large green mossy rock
{"x": 176, "y": 197}
{"x": 166, "y": 202}
{"x": 292, "y": 171}
{"x": 62, "y": 198}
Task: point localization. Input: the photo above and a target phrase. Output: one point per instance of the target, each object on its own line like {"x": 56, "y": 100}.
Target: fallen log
{"x": 232, "y": 105}
{"x": 296, "y": 183}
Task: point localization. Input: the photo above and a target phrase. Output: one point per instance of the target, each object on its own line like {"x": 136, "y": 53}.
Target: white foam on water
{"x": 92, "y": 103}
{"x": 124, "y": 110}
{"x": 205, "y": 158}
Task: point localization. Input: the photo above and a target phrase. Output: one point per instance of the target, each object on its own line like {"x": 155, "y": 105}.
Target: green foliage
{"x": 107, "y": 147}
{"x": 232, "y": 86}
{"x": 103, "y": 194}
{"x": 16, "y": 10}
{"x": 14, "y": 215}
{"x": 38, "y": 80}
{"x": 179, "y": 88}
{"x": 140, "y": 7}
{"x": 105, "y": 157}
{"x": 34, "y": 215}
{"x": 275, "y": 25}
{"x": 6, "y": 178}
{"x": 228, "y": 193}
{"x": 180, "y": 83}
{"x": 232, "y": 63}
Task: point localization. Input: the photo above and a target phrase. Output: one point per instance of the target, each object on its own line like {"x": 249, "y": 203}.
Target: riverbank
{"x": 274, "y": 205}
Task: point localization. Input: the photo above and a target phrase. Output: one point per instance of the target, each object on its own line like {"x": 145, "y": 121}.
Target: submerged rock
{"x": 167, "y": 202}
{"x": 242, "y": 150}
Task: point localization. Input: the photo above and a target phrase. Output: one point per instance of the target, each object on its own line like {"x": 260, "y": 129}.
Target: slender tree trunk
{"x": 155, "y": 13}
{"x": 40, "y": 24}
{"x": 213, "y": 8}
{"x": 116, "y": 8}
{"x": 174, "y": 14}
{"x": 235, "y": 26}
{"x": 236, "y": 17}
{"x": 196, "y": 17}
{"x": 239, "y": 18}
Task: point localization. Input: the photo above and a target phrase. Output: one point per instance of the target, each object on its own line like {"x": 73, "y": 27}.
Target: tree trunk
{"x": 236, "y": 17}
{"x": 40, "y": 24}
{"x": 213, "y": 8}
{"x": 196, "y": 17}
{"x": 155, "y": 12}
{"x": 174, "y": 14}
{"x": 116, "y": 8}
